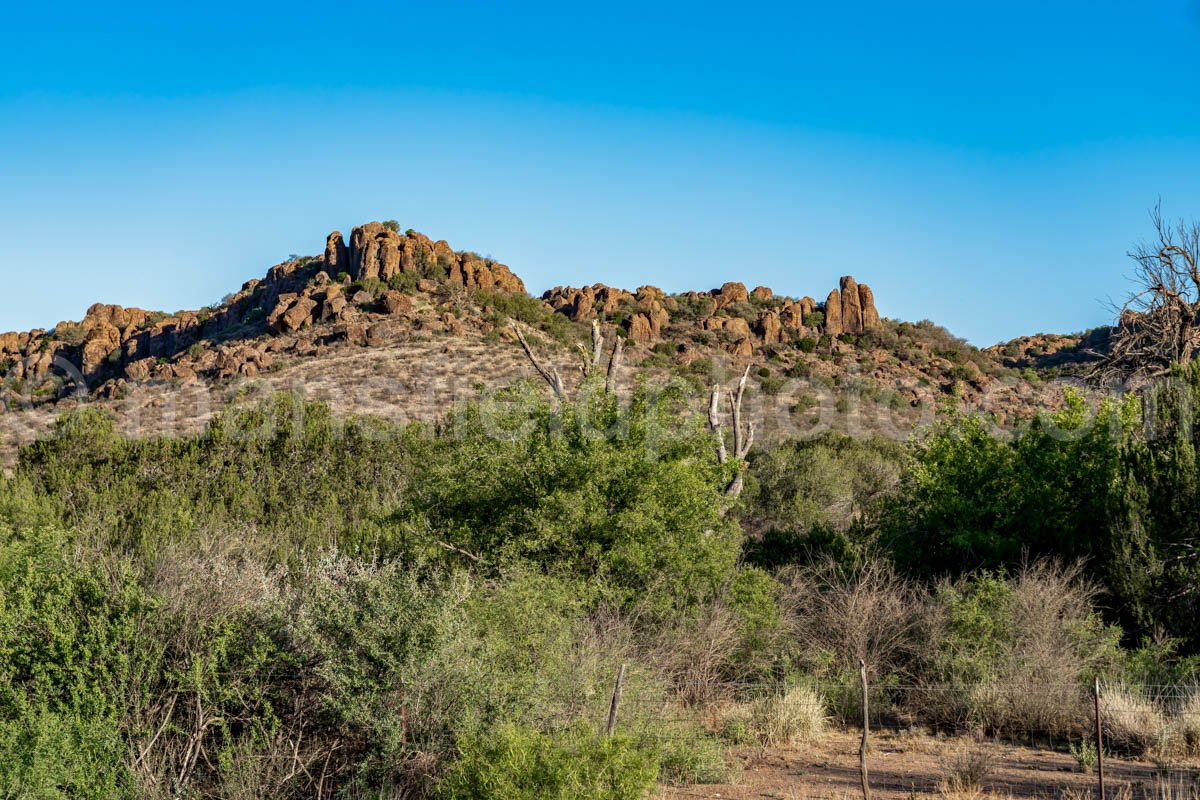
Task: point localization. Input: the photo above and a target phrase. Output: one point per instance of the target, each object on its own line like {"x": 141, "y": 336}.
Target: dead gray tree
{"x": 1159, "y": 323}
{"x": 743, "y": 433}
{"x": 590, "y": 361}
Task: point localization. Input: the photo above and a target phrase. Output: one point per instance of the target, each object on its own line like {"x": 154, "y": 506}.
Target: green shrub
{"x": 772, "y": 385}
{"x": 513, "y": 763}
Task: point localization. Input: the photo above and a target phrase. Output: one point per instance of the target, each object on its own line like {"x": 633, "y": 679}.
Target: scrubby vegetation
{"x": 291, "y": 605}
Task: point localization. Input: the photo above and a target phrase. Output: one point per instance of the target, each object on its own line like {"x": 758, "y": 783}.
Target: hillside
{"x": 398, "y": 325}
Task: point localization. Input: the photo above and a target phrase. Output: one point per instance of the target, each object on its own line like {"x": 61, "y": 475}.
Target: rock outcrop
{"x": 377, "y": 251}
{"x": 833, "y": 314}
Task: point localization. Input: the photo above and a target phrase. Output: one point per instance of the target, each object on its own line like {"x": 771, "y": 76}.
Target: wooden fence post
{"x": 1099, "y": 737}
{"x": 862, "y": 748}
{"x": 611, "y": 728}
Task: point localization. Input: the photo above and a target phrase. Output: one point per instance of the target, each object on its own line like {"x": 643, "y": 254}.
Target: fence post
{"x": 1099, "y": 737}
{"x": 611, "y": 728}
{"x": 866, "y": 728}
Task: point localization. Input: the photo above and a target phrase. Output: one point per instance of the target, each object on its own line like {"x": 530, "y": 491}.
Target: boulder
{"x": 731, "y": 292}
{"x": 299, "y": 315}
{"x": 851, "y": 307}
{"x": 350, "y": 332}
{"x": 101, "y": 341}
{"x": 762, "y": 293}
{"x": 486, "y": 275}
{"x": 374, "y": 252}
{"x": 396, "y": 302}
{"x": 334, "y": 308}
{"x": 770, "y": 328}
{"x": 833, "y": 314}
{"x": 738, "y": 326}
{"x": 742, "y": 348}
{"x": 641, "y": 329}
{"x": 139, "y": 370}
{"x": 337, "y": 256}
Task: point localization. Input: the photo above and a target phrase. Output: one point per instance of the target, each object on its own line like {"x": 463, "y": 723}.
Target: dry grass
{"x": 1133, "y": 723}
{"x": 796, "y": 716}
{"x": 1185, "y": 724}
{"x": 964, "y": 772}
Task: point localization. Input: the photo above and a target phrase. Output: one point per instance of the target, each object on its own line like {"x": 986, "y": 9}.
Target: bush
{"x": 772, "y": 385}
{"x": 1011, "y": 655}
{"x": 513, "y": 763}
{"x": 75, "y": 654}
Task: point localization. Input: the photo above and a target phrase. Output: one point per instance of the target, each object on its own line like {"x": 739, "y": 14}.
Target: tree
{"x": 1159, "y": 323}
{"x": 626, "y": 495}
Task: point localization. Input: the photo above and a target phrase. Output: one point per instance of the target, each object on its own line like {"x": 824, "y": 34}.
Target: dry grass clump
{"x": 782, "y": 720}
{"x": 1185, "y": 724}
{"x": 796, "y": 716}
{"x": 1133, "y": 723}
{"x": 964, "y": 772}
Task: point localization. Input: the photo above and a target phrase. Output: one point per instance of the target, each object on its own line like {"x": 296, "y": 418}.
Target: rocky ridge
{"x": 389, "y": 291}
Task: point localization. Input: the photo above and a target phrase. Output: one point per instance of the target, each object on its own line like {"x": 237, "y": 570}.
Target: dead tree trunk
{"x": 549, "y": 373}
{"x": 743, "y": 432}
{"x": 589, "y": 366}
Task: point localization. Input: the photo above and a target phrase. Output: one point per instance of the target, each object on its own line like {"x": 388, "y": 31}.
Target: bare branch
{"x": 549, "y": 374}
{"x": 1158, "y": 325}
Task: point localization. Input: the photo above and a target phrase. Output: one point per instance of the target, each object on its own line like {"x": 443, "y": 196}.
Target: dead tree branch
{"x": 1158, "y": 325}
{"x": 614, "y": 364}
{"x": 589, "y": 366}
{"x": 549, "y": 373}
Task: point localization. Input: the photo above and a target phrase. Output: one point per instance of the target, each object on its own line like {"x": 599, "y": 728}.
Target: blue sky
{"x": 982, "y": 165}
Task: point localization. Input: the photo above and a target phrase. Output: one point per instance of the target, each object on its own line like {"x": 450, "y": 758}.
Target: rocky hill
{"x": 397, "y": 324}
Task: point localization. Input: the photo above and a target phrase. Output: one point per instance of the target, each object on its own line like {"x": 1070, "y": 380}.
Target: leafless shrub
{"x": 695, "y": 657}
{"x": 1021, "y": 672}
{"x": 868, "y": 613}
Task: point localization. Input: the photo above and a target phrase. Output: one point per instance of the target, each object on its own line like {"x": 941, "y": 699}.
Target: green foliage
{"x": 630, "y": 497}
{"x": 285, "y": 467}
{"x": 975, "y": 501}
{"x": 73, "y": 650}
{"x": 502, "y": 307}
{"x": 392, "y": 225}
{"x": 772, "y": 385}
{"x": 823, "y": 482}
{"x": 514, "y": 763}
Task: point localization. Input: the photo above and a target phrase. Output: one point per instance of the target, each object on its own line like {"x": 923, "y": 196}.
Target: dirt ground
{"x": 906, "y": 765}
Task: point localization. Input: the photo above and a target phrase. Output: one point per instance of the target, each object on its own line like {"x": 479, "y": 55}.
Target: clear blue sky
{"x": 982, "y": 165}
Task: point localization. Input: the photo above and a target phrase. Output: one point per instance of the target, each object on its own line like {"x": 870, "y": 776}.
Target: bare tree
{"x": 1159, "y": 323}
{"x": 743, "y": 433}
{"x": 866, "y": 614}
{"x": 590, "y": 363}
